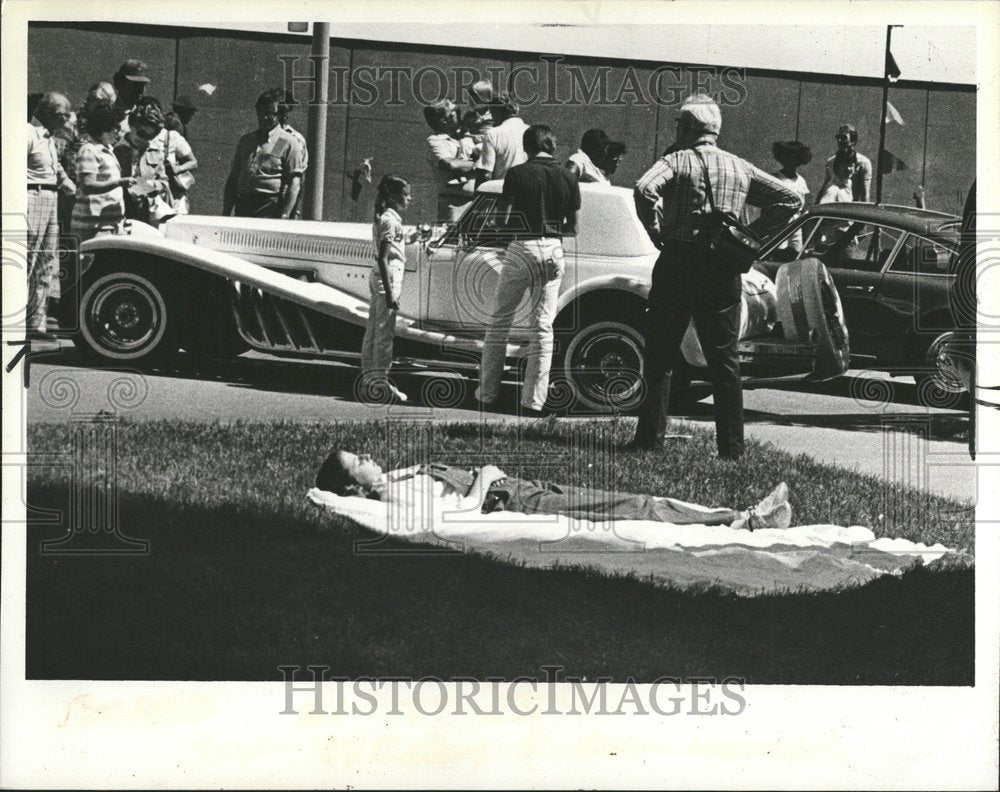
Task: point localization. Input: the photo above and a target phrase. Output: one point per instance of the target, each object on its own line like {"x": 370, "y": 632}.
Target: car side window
{"x": 921, "y": 256}
{"x": 842, "y": 244}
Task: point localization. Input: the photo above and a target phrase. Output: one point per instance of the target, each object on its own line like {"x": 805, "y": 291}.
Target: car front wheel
{"x": 602, "y": 366}
{"x": 125, "y": 318}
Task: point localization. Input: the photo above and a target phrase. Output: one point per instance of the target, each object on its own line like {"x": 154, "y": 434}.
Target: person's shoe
{"x": 483, "y": 406}
{"x": 488, "y": 406}
{"x": 381, "y": 391}
{"x": 531, "y": 412}
{"x": 397, "y": 394}
{"x": 774, "y": 512}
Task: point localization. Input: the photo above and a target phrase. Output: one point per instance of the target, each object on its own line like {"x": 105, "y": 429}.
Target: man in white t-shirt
{"x": 839, "y": 187}
{"x": 503, "y": 146}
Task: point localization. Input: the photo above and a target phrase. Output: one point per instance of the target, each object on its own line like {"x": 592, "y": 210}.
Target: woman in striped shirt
{"x": 99, "y": 182}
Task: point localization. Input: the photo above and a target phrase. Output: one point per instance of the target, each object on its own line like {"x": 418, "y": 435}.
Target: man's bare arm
{"x": 291, "y": 194}
{"x": 486, "y": 477}
{"x": 456, "y": 165}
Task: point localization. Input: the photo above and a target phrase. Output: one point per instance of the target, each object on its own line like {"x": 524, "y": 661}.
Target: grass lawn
{"x": 243, "y": 575}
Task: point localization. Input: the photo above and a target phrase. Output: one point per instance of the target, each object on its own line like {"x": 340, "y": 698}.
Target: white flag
{"x": 892, "y": 114}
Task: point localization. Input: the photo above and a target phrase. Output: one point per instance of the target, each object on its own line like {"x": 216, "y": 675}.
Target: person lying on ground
{"x": 488, "y": 489}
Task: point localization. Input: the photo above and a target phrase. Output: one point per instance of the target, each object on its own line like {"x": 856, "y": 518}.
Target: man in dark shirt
{"x": 544, "y": 198}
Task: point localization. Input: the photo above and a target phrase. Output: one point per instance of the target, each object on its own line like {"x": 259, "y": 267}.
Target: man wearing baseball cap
{"x": 130, "y": 83}
{"x": 670, "y": 199}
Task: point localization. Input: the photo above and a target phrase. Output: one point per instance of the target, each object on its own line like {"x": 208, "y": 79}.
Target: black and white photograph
{"x": 439, "y": 394}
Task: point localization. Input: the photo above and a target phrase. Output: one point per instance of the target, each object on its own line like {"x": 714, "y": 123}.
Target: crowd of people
{"x": 488, "y": 141}
{"x": 493, "y": 142}
{"x": 122, "y": 155}
{"x": 119, "y": 155}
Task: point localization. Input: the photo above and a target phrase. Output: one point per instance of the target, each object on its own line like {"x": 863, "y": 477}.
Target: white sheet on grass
{"x": 807, "y": 557}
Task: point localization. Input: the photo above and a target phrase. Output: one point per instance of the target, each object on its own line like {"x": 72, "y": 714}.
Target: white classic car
{"x": 221, "y": 285}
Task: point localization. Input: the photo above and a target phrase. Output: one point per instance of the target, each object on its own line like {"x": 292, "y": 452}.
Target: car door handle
{"x": 863, "y": 289}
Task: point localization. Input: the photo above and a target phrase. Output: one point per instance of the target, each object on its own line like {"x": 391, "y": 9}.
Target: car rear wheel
{"x": 601, "y": 365}
{"x": 126, "y": 317}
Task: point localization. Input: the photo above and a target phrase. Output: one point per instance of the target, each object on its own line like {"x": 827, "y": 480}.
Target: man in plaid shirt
{"x": 671, "y": 201}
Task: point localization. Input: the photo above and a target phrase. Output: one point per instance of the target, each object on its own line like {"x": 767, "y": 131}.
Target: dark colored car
{"x": 893, "y": 267}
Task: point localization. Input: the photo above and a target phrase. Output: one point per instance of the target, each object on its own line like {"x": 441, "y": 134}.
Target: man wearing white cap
{"x": 684, "y": 285}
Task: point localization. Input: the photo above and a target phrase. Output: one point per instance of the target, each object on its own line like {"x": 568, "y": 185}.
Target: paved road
{"x": 842, "y": 422}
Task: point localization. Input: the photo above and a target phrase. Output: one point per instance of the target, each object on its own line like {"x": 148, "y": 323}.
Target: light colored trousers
{"x": 43, "y": 257}
{"x": 376, "y": 349}
{"x": 534, "y": 266}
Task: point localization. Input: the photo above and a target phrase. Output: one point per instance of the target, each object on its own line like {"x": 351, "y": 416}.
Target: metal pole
{"x": 885, "y": 110}
{"x": 316, "y": 138}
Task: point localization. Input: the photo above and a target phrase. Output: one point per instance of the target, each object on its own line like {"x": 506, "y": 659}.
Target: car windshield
{"x": 482, "y": 224}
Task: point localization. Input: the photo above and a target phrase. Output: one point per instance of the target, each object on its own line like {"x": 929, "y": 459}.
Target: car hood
{"x": 267, "y": 238}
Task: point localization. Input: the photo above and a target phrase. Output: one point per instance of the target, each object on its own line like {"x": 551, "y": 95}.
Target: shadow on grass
{"x": 231, "y": 595}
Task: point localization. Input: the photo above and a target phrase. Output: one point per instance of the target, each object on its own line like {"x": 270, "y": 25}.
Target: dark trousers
{"x": 258, "y": 205}
{"x": 684, "y": 288}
